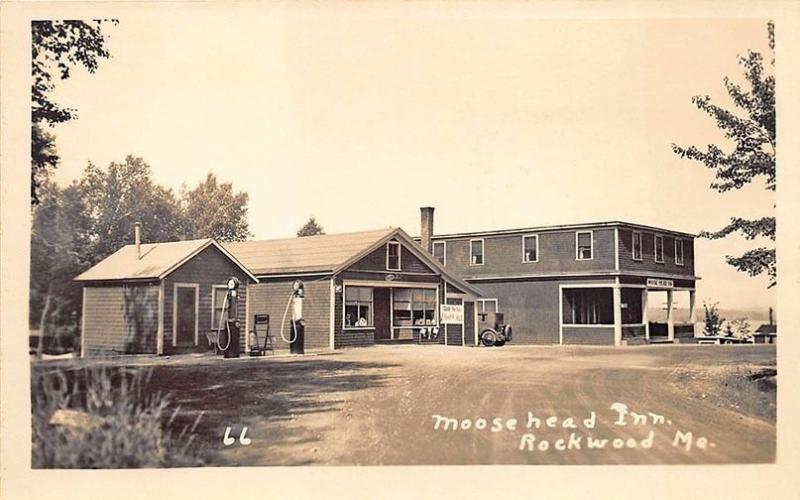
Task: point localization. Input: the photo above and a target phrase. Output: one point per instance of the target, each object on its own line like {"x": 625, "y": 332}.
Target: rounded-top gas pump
{"x": 232, "y": 321}
{"x": 298, "y": 323}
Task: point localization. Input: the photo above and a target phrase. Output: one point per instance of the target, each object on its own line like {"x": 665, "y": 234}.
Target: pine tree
{"x": 311, "y": 228}
{"x": 752, "y": 130}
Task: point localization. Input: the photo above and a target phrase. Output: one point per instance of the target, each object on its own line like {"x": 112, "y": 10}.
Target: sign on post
{"x": 452, "y": 314}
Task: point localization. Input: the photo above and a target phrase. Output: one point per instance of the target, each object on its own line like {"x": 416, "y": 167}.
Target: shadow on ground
{"x": 261, "y": 395}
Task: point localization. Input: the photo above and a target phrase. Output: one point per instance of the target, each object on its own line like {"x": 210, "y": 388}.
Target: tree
{"x": 752, "y": 131}
{"x": 214, "y": 210}
{"x": 117, "y": 197}
{"x": 43, "y": 159}
{"x": 712, "y": 323}
{"x": 740, "y": 328}
{"x": 54, "y": 260}
{"x": 311, "y": 228}
{"x": 56, "y": 47}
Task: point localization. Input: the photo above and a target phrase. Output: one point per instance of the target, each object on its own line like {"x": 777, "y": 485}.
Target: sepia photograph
{"x": 398, "y": 234}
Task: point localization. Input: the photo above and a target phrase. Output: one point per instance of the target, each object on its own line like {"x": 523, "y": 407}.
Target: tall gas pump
{"x": 297, "y": 346}
{"x": 232, "y": 321}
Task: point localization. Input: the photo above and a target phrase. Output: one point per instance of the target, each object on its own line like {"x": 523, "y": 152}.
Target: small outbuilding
{"x": 158, "y": 298}
{"x": 766, "y": 334}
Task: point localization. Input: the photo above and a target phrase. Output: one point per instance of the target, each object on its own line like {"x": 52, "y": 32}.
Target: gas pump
{"x": 232, "y": 320}
{"x": 297, "y": 326}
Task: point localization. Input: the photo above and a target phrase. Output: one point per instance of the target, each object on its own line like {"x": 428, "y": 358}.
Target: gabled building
{"x": 157, "y": 298}
{"x": 360, "y": 289}
{"x": 574, "y": 284}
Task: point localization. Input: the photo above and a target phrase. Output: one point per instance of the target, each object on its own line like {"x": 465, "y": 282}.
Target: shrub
{"x": 103, "y": 418}
{"x": 712, "y": 323}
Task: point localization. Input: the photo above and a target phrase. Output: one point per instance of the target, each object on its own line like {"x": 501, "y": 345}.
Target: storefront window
{"x": 414, "y": 307}
{"x": 358, "y": 306}
{"x": 588, "y": 306}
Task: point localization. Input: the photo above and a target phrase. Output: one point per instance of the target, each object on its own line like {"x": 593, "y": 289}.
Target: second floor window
{"x": 583, "y": 242}
{"x": 678, "y": 251}
{"x": 476, "y": 252}
{"x": 637, "y": 245}
{"x": 440, "y": 251}
{"x": 659, "y": 248}
{"x": 393, "y": 256}
{"x": 530, "y": 248}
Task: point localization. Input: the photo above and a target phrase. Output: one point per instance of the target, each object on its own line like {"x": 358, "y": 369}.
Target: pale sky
{"x": 359, "y": 117}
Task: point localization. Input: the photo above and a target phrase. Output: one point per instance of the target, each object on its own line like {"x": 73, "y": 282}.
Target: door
{"x": 469, "y": 323}
{"x": 185, "y": 315}
{"x": 382, "y": 316}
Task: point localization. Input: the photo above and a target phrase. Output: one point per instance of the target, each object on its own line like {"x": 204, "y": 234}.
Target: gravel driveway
{"x": 378, "y": 405}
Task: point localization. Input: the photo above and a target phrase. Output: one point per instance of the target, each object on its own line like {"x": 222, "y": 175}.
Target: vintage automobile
{"x": 493, "y": 328}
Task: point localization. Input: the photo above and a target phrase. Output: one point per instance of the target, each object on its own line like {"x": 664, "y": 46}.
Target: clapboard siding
{"x": 648, "y": 262}
{"x": 594, "y": 335}
{"x": 502, "y": 255}
{"x": 120, "y": 319}
{"x": 376, "y": 261}
{"x": 530, "y": 307}
{"x": 272, "y": 297}
{"x": 209, "y": 267}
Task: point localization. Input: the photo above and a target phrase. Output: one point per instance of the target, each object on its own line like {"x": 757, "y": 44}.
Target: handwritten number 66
{"x": 227, "y": 440}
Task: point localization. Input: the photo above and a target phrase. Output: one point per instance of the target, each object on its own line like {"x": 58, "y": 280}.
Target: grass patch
{"x": 105, "y": 417}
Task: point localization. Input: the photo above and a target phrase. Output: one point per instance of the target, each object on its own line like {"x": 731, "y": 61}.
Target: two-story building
{"x": 575, "y": 284}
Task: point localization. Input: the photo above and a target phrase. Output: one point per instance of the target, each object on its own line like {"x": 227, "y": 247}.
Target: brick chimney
{"x": 426, "y": 219}
{"x": 137, "y": 238}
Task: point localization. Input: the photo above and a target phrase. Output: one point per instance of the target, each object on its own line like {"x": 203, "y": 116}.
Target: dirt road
{"x": 378, "y": 405}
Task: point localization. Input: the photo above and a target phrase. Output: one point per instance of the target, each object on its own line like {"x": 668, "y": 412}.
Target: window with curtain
{"x": 358, "y": 306}
{"x": 530, "y": 248}
{"x": 476, "y": 252}
{"x": 414, "y": 307}
{"x": 583, "y": 242}
{"x": 588, "y": 306}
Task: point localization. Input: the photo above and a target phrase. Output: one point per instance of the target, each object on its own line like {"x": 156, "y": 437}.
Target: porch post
{"x": 617, "y": 315}
{"x": 670, "y": 317}
{"x": 645, "y": 320}
{"x": 692, "y": 313}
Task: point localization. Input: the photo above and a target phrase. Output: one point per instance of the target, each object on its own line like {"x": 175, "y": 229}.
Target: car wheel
{"x": 507, "y": 332}
{"x": 500, "y": 342}
{"x": 488, "y": 337}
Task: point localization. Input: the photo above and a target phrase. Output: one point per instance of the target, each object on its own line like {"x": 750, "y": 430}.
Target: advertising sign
{"x": 452, "y": 314}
